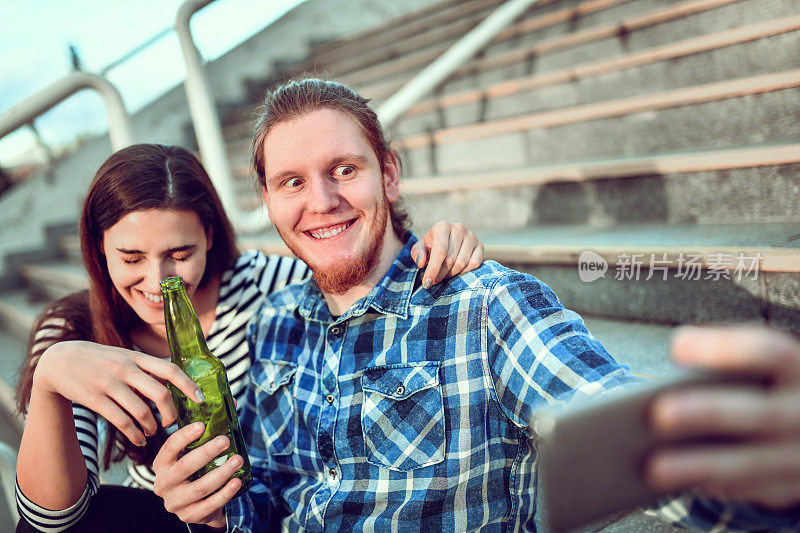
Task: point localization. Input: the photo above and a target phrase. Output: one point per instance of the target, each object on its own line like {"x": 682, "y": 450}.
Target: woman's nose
{"x": 158, "y": 271}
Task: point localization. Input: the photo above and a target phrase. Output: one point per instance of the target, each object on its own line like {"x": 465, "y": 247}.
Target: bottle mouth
{"x": 171, "y": 283}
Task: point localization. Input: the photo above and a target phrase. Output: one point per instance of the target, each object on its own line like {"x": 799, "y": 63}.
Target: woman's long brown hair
{"x": 137, "y": 178}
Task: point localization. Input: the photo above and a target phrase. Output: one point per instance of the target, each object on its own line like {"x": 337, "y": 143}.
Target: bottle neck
{"x": 184, "y": 332}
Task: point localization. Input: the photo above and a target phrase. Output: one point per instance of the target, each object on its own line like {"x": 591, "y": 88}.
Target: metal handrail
{"x": 206, "y": 123}
{"x": 435, "y": 73}
{"x": 135, "y": 51}
{"x": 119, "y": 126}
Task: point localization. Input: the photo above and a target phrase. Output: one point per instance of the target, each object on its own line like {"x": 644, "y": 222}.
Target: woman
{"x": 101, "y": 354}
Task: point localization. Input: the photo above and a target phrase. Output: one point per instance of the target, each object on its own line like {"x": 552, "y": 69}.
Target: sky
{"x": 35, "y": 36}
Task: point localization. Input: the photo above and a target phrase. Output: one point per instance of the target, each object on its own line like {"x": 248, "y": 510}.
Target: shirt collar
{"x": 390, "y": 296}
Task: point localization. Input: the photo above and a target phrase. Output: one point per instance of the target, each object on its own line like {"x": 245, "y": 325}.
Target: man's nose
{"x": 323, "y": 195}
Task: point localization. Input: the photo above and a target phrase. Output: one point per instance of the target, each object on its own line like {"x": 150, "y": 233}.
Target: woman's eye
{"x": 181, "y": 257}
{"x": 130, "y": 261}
{"x": 293, "y": 183}
{"x": 344, "y": 170}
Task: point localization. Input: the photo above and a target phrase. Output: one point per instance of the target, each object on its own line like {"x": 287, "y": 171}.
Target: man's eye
{"x": 293, "y": 183}
{"x": 344, "y": 170}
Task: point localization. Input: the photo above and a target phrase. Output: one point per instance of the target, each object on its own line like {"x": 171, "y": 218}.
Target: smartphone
{"x": 591, "y": 457}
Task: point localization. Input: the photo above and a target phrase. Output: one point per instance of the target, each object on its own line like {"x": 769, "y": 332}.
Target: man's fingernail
{"x": 427, "y": 283}
{"x": 143, "y": 443}
{"x": 236, "y": 462}
{"x": 198, "y": 426}
{"x": 418, "y": 259}
{"x": 200, "y": 396}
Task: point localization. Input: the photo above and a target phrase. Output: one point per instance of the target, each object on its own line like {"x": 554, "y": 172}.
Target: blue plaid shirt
{"x": 411, "y": 410}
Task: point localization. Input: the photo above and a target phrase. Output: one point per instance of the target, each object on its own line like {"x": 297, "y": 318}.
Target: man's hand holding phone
{"x": 759, "y": 459}
{"x": 729, "y": 425}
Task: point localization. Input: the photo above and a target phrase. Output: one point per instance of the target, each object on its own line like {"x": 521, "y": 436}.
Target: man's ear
{"x": 265, "y": 196}
{"x": 391, "y": 178}
{"x": 209, "y": 238}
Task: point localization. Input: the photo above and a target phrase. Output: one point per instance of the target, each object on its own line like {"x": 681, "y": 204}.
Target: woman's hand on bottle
{"x": 447, "y": 250}
{"x": 200, "y": 501}
{"x": 115, "y": 383}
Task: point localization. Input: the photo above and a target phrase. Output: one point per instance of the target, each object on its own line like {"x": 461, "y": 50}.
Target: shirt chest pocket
{"x": 276, "y": 405}
{"x": 402, "y": 415}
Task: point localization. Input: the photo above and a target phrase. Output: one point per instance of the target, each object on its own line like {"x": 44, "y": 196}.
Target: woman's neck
{"x": 152, "y": 339}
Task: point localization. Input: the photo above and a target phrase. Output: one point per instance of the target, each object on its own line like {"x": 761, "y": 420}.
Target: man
{"x": 380, "y": 403}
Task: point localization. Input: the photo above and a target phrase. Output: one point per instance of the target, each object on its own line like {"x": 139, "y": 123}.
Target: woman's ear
{"x": 209, "y": 238}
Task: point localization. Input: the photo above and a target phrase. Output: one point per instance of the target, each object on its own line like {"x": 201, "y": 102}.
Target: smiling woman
{"x": 145, "y": 247}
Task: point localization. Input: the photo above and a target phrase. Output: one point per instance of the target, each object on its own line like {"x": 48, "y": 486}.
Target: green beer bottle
{"x": 189, "y": 351}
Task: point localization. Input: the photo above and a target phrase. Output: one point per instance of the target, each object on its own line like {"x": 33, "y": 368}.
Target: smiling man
{"x": 328, "y": 194}
{"x": 378, "y": 402}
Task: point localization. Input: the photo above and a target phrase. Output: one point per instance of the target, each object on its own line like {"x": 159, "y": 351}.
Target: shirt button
{"x": 400, "y": 390}
{"x": 332, "y": 473}
{"x": 329, "y": 398}
{"x": 335, "y": 330}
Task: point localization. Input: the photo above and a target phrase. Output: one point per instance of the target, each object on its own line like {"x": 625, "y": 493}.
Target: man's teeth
{"x": 336, "y": 230}
{"x": 155, "y": 298}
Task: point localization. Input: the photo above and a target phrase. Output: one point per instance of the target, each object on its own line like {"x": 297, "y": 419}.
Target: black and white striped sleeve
{"x": 86, "y": 430}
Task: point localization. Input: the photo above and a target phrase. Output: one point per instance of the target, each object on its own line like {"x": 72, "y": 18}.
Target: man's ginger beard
{"x": 340, "y": 277}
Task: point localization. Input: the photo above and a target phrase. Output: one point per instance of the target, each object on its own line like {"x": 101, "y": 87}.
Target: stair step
{"x": 543, "y": 17}
{"x": 644, "y": 347}
{"x": 441, "y": 35}
{"x": 398, "y": 29}
{"x": 749, "y": 120}
{"x": 14, "y": 353}
{"x": 18, "y": 313}
{"x": 56, "y": 279}
{"x": 639, "y": 25}
{"x": 645, "y": 73}
{"x": 630, "y": 41}
{"x": 667, "y": 274}
{"x": 700, "y": 187}
{"x": 630, "y": 32}
{"x": 70, "y": 247}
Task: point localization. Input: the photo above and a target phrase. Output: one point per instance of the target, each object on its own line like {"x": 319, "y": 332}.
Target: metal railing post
{"x": 466, "y": 47}
{"x": 119, "y": 127}
{"x": 206, "y": 122}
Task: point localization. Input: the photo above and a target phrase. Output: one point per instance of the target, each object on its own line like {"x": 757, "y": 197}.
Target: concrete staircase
{"x": 640, "y": 156}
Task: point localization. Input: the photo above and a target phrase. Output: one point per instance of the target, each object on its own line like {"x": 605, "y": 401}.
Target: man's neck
{"x": 391, "y": 248}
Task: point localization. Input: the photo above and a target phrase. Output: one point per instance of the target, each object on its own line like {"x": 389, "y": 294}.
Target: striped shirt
{"x": 411, "y": 411}
{"x": 242, "y": 291}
